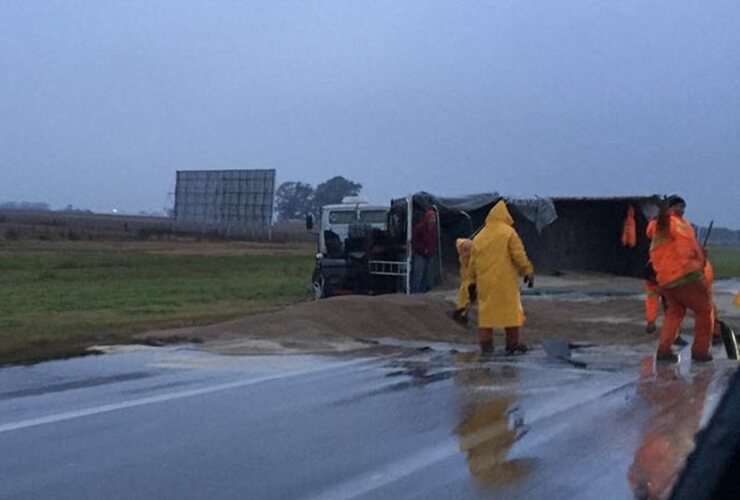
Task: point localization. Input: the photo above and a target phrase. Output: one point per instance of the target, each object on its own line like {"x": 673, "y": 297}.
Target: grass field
{"x": 57, "y": 303}
{"x": 726, "y": 261}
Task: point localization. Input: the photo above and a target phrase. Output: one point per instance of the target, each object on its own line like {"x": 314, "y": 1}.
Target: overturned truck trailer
{"x": 582, "y": 234}
{"x": 563, "y": 234}
{"x": 587, "y": 235}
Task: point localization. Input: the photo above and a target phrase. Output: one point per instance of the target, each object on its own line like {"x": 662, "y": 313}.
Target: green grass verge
{"x": 56, "y": 304}
{"x": 726, "y": 261}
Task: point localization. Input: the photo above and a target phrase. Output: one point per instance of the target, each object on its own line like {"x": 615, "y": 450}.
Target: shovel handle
{"x": 709, "y": 232}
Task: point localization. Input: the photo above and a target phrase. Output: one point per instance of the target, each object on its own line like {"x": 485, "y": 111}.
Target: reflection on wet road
{"x": 410, "y": 423}
{"x": 490, "y": 423}
{"x": 675, "y": 404}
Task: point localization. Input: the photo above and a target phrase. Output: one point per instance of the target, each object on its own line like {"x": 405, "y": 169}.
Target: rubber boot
{"x": 702, "y": 358}
{"x": 486, "y": 347}
{"x": 516, "y": 349}
{"x": 485, "y": 339}
{"x": 668, "y": 357}
{"x": 513, "y": 346}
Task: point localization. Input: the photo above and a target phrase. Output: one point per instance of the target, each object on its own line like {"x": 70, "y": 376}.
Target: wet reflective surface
{"x": 408, "y": 423}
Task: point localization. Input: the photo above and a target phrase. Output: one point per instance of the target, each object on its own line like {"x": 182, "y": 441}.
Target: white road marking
{"x": 161, "y": 398}
{"x": 390, "y": 473}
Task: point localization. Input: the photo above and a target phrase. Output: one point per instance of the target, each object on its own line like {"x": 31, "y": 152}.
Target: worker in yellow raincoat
{"x": 496, "y": 263}
{"x": 464, "y": 248}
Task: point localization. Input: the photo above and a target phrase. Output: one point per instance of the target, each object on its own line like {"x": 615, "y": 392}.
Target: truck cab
{"x": 344, "y": 232}
{"x": 338, "y": 219}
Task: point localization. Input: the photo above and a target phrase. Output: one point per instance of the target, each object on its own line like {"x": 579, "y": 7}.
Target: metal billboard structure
{"x": 231, "y": 203}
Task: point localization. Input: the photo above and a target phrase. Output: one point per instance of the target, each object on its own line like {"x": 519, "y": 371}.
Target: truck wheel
{"x": 319, "y": 286}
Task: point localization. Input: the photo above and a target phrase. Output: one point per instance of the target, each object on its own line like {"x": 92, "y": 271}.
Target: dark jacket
{"x": 424, "y": 238}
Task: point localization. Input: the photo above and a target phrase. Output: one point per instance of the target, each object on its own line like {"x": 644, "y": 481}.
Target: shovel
{"x": 461, "y": 315}
{"x": 560, "y": 349}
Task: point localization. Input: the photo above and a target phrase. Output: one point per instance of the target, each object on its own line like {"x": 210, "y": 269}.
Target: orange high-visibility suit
{"x": 629, "y": 231}
{"x": 679, "y": 263}
{"x": 674, "y": 252}
{"x": 652, "y": 302}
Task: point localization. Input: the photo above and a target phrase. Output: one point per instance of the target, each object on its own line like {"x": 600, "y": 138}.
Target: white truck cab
{"x": 353, "y": 210}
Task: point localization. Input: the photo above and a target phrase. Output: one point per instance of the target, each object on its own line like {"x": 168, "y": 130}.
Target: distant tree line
{"x": 69, "y": 209}
{"x": 296, "y": 199}
{"x": 35, "y": 206}
{"x": 25, "y": 205}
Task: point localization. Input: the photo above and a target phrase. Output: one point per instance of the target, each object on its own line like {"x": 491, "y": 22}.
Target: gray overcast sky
{"x": 102, "y": 101}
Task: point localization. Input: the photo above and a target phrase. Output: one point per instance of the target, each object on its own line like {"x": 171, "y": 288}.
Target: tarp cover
{"x": 540, "y": 211}
{"x": 467, "y": 203}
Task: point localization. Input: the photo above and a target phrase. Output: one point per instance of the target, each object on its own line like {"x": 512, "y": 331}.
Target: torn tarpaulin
{"x": 540, "y": 211}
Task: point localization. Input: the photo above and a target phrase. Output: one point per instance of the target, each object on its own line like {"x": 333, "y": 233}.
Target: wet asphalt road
{"x": 176, "y": 423}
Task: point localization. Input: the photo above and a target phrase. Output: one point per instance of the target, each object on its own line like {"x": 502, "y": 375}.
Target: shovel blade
{"x": 557, "y": 348}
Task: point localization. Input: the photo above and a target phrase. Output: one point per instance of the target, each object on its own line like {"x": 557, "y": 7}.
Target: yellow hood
{"x": 464, "y": 246}
{"x": 499, "y": 213}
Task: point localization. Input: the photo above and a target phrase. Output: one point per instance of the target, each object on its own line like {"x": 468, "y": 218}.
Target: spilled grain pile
{"x": 352, "y": 322}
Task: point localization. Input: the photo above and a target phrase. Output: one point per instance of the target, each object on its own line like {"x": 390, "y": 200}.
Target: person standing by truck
{"x": 424, "y": 242}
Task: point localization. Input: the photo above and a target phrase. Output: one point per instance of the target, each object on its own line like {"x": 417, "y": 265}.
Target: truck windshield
{"x": 342, "y": 217}
{"x": 373, "y": 216}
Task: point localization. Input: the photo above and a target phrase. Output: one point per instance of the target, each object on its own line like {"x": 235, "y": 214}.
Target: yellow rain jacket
{"x": 464, "y": 248}
{"x": 497, "y": 262}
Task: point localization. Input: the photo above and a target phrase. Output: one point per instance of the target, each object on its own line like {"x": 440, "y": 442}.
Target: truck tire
{"x": 318, "y": 284}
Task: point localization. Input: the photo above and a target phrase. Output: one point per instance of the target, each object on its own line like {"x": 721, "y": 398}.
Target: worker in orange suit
{"x": 679, "y": 264}
{"x": 653, "y": 301}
